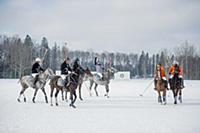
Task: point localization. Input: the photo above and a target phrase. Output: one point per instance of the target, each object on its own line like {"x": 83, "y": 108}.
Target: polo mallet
{"x": 46, "y": 50}
{"x": 146, "y": 88}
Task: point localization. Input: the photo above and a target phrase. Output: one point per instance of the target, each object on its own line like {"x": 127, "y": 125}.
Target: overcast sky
{"x": 104, "y": 25}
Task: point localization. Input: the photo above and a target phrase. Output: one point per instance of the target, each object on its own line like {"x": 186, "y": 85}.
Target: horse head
{"x": 158, "y": 75}
{"x": 88, "y": 72}
{"x": 49, "y": 72}
{"x": 111, "y": 71}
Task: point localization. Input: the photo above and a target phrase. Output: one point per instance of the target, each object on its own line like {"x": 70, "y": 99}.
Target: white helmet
{"x": 38, "y": 60}
{"x": 175, "y": 63}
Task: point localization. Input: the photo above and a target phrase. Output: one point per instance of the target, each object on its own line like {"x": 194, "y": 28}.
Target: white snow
{"x": 124, "y": 112}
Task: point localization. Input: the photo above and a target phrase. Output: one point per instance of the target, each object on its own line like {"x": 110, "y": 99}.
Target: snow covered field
{"x": 124, "y": 112}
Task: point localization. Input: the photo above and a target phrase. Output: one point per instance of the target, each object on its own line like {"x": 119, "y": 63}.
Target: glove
{"x": 180, "y": 76}
{"x": 164, "y": 78}
{"x": 171, "y": 76}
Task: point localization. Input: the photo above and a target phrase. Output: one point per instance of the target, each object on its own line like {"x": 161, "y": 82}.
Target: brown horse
{"x": 59, "y": 87}
{"x": 55, "y": 83}
{"x": 74, "y": 83}
{"x": 160, "y": 88}
{"x": 82, "y": 78}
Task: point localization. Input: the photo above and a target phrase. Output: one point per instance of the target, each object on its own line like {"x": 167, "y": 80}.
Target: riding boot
{"x": 67, "y": 81}
{"x": 35, "y": 81}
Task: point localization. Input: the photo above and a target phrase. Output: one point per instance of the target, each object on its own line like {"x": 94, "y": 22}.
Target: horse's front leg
{"x": 51, "y": 94}
{"x": 180, "y": 96}
{"x": 46, "y": 99}
{"x": 21, "y": 93}
{"x": 159, "y": 96}
{"x": 75, "y": 97}
{"x": 79, "y": 88}
{"x": 107, "y": 90}
{"x": 36, "y": 90}
{"x": 56, "y": 95}
{"x": 62, "y": 93}
{"x": 71, "y": 97}
{"x": 164, "y": 96}
{"x": 91, "y": 84}
{"x": 95, "y": 88}
{"x": 175, "y": 91}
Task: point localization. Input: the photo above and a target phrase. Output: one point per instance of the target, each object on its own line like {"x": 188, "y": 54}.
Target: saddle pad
{"x": 61, "y": 82}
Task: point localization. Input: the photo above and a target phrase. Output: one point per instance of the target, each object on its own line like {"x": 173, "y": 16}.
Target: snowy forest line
{"x": 17, "y": 56}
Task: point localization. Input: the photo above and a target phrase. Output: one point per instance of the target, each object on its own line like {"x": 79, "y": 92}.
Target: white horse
{"x": 96, "y": 79}
{"x": 28, "y": 81}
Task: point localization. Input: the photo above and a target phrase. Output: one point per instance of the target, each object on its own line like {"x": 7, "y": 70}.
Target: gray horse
{"x": 107, "y": 76}
{"x": 28, "y": 81}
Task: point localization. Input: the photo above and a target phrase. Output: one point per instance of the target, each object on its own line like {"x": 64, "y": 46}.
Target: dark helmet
{"x": 67, "y": 58}
{"x": 77, "y": 60}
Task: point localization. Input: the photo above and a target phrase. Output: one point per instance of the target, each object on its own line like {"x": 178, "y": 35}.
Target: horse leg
{"x": 95, "y": 88}
{"x": 51, "y": 95}
{"x": 34, "y": 95}
{"x": 21, "y": 92}
{"x": 66, "y": 95}
{"x": 71, "y": 96}
{"x": 79, "y": 88}
{"x": 107, "y": 90}
{"x": 91, "y": 84}
{"x": 75, "y": 97}
{"x": 46, "y": 99}
{"x": 164, "y": 97}
{"x": 175, "y": 95}
{"x": 56, "y": 94}
{"x": 24, "y": 97}
{"x": 159, "y": 97}
{"x": 62, "y": 91}
{"x": 180, "y": 96}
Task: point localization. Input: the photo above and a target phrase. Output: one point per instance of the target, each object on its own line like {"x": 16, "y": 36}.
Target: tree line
{"x": 17, "y": 56}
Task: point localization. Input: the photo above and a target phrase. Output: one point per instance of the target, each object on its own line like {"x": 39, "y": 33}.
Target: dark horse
{"x": 74, "y": 83}
{"x": 175, "y": 85}
{"x": 75, "y": 80}
{"x": 82, "y": 78}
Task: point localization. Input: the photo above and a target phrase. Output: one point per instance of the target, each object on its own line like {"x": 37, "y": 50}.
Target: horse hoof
{"x": 81, "y": 99}
{"x": 24, "y": 99}
{"x": 18, "y": 100}
{"x": 56, "y": 104}
{"x": 51, "y": 104}
{"x": 72, "y": 105}
{"x": 175, "y": 102}
{"x": 33, "y": 101}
